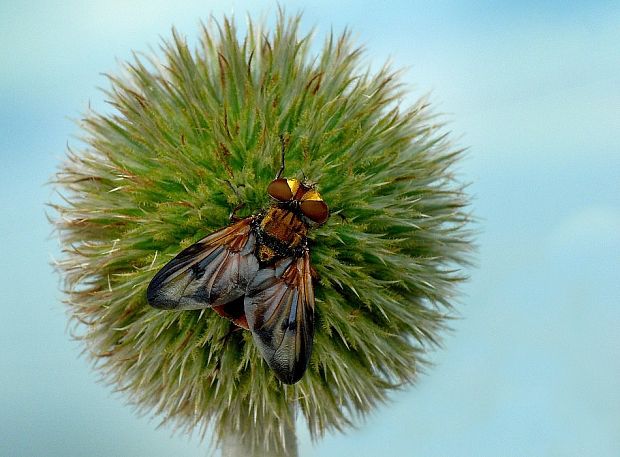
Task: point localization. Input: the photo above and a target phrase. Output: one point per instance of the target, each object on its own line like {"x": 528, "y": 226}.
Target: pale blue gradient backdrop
{"x": 533, "y": 366}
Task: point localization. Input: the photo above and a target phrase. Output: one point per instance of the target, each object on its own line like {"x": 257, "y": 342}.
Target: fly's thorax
{"x": 280, "y": 233}
{"x": 284, "y": 225}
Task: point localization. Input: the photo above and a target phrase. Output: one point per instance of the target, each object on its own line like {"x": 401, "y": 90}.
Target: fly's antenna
{"x": 282, "y": 152}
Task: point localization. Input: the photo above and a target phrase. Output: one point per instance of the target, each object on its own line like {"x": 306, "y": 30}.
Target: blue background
{"x": 533, "y": 366}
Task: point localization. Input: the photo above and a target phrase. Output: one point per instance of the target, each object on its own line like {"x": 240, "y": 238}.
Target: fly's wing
{"x": 212, "y": 272}
{"x": 279, "y": 307}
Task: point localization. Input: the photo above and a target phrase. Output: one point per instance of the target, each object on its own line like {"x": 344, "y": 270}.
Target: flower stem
{"x": 232, "y": 445}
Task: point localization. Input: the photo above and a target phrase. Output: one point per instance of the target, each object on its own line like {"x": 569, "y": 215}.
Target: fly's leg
{"x": 233, "y": 214}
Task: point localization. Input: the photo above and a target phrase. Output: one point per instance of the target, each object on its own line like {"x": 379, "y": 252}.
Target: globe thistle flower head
{"x": 196, "y": 133}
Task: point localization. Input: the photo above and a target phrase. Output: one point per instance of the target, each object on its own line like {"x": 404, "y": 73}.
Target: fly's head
{"x": 301, "y": 198}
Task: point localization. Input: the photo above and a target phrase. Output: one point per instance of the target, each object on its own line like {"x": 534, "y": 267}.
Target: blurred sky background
{"x": 533, "y": 88}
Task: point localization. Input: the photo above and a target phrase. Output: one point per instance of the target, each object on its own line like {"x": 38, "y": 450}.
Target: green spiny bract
{"x": 151, "y": 179}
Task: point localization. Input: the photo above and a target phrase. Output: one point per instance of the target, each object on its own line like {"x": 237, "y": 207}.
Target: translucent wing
{"x": 279, "y": 307}
{"x": 214, "y": 271}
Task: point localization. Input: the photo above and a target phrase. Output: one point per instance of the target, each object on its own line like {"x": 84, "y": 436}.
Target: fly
{"x": 257, "y": 273}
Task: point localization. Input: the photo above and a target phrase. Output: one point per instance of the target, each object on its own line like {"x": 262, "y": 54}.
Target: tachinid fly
{"x": 257, "y": 273}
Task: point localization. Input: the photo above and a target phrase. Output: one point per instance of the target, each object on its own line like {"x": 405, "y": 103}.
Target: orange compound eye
{"x": 315, "y": 210}
{"x": 280, "y": 190}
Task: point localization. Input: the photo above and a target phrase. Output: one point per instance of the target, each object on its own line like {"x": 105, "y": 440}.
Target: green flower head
{"x": 196, "y": 133}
